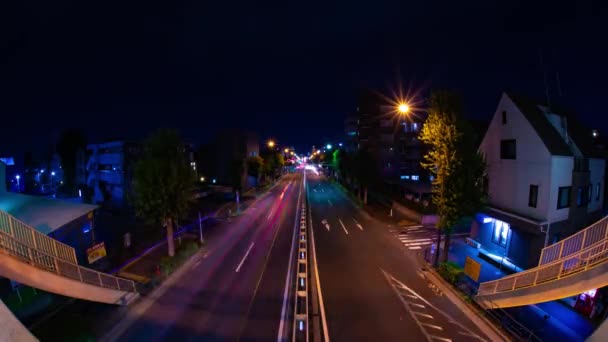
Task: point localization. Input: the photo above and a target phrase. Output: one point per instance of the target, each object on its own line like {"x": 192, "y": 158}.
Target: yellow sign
{"x": 96, "y": 252}
{"x": 472, "y": 269}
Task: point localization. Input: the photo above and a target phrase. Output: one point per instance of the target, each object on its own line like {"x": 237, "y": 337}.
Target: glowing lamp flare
{"x": 403, "y": 108}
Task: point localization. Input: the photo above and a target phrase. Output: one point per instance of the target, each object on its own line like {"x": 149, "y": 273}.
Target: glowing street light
{"x": 403, "y": 108}
{"x": 202, "y": 179}
{"x": 271, "y": 143}
{"x": 286, "y": 150}
{"x": 328, "y": 146}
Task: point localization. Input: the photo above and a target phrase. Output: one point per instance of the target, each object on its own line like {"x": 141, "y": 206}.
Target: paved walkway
{"x": 551, "y": 321}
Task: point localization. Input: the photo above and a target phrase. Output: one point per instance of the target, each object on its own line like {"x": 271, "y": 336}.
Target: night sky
{"x": 290, "y": 71}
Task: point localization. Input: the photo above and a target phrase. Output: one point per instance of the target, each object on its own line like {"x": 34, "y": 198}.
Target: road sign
{"x": 472, "y": 269}
{"x": 96, "y": 252}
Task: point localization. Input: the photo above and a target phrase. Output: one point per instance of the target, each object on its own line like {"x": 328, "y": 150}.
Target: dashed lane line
{"x": 343, "y": 227}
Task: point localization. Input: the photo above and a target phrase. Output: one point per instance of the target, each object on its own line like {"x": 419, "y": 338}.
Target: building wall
{"x": 597, "y": 170}
{"x": 561, "y": 175}
{"x": 510, "y": 180}
{"x": 74, "y": 234}
{"x": 2, "y": 177}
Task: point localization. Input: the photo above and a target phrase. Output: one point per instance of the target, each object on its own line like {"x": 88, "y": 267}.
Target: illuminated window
{"x": 415, "y": 177}
{"x": 500, "y": 233}
{"x": 405, "y": 177}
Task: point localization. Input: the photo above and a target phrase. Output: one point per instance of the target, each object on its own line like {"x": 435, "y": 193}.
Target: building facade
{"x": 218, "y": 159}
{"x": 392, "y": 140}
{"x": 110, "y": 169}
{"x": 545, "y": 180}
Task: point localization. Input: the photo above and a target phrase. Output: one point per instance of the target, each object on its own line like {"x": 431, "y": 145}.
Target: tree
{"x": 255, "y": 166}
{"x": 365, "y": 171}
{"x": 163, "y": 182}
{"x": 68, "y": 145}
{"x": 454, "y": 161}
{"x": 273, "y": 161}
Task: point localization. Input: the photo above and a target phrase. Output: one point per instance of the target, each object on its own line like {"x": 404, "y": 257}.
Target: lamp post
{"x": 52, "y": 179}
{"x": 271, "y": 143}
{"x": 17, "y": 177}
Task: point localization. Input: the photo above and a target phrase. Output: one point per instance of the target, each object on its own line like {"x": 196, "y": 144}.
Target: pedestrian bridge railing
{"x": 573, "y": 263}
{"x": 52, "y": 263}
{"x": 29, "y": 236}
{"x": 587, "y": 237}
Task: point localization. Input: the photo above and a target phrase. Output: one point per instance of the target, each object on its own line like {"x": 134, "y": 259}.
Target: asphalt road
{"x": 371, "y": 285}
{"x": 236, "y": 292}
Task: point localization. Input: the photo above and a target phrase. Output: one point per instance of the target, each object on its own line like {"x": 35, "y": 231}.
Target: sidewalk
{"x": 551, "y": 321}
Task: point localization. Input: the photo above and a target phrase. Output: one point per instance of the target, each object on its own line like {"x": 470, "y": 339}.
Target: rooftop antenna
{"x": 559, "y": 83}
{"x": 542, "y": 64}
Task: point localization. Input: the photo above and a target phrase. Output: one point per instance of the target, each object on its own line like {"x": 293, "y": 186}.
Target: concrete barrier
{"x": 404, "y": 212}
{"x": 11, "y": 328}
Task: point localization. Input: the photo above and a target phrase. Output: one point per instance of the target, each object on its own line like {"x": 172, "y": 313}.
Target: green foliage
{"x": 163, "y": 181}
{"x": 255, "y": 166}
{"x": 453, "y": 159}
{"x": 273, "y": 161}
{"x": 450, "y": 271}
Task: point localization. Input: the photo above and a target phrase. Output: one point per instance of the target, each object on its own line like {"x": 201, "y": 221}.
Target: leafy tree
{"x": 163, "y": 182}
{"x": 365, "y": 171}
{"x": 255, "y": 166}
{"x": 273, "y": 161}
{"x": 68, "y": 145}
{"x": 454, "y": 161}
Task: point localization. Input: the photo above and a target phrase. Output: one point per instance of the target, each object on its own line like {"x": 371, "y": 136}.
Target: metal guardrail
{"x": 31, "y": 237}
{"x": 589, "y": 236}
{"x": 51, "y": 263}
{"x": 510, "y": 324}
{"x": 301, "y": 324}
{"x": 574, "y": 263}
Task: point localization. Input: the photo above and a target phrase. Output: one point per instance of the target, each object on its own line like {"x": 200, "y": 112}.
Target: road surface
{"x": 237, "y": 291}
{"x": 371, "y": 285}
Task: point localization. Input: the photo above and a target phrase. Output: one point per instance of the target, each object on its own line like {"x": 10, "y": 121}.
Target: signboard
{"x": 96, "y": 252}
{"x": 472, "y": 269}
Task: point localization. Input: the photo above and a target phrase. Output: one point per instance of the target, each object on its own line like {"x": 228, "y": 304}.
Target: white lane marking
{"x": 423, "y": 314}
{"x": 415, "y": 247}
{"x": 343, "y": 227}
{"x": 408, "y": 229}
{"x": 464, "y": 333}
{"x": 330, "y": 204}
{"x": 412, "y": 296}
{"x": 238, "y": 268}
{"x": 281, "y": 336}
{"x": 324, "y": 222}
{"x": 416, "y": 226}
{"x": 270, "y": 214}
{"x": 418, "y": 305}
{"x": 316, "y": 269}
{"x": 440, "y": 338}
{"x": 432, "y": 326}
{"x": 357, "y": 224}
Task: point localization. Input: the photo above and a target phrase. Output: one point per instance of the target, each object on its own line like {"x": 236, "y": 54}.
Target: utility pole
{"x": 200, "y": 227}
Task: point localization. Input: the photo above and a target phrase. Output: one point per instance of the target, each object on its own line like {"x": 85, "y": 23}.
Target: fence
{"x": 57, "y": 265}
{"x": 594, "y": 233}
{"x": 35, "y": 239}
{"x": 574, "y": 263}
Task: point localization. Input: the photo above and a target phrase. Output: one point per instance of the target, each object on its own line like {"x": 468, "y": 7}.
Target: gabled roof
{"x": 550, "y": 136}
{"x": 44, "y": 214}
{"x": 547, "y": 133}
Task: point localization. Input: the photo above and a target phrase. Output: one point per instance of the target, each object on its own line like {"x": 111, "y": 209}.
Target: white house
{"x": 545, "y": 179}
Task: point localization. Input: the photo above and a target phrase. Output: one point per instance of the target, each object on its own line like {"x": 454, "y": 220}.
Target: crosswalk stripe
{"x": 415, "y": 247}
{"x": 418, "y": 243}
{"x": 415, "y": 240}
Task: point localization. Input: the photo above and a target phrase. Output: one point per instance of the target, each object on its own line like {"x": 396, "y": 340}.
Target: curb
{"x": 487, "y": 327}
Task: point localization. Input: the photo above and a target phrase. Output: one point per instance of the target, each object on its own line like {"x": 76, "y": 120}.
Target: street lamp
{"x": 328, "y": 146}
{"x": 271, "y": 143}
{"x": 18, "y": 186}
{"x": 403, "y": 108}
{"x": 286, "y": 150}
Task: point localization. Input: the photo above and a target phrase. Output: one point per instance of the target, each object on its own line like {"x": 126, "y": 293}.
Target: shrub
{"x": 450, "y": 271}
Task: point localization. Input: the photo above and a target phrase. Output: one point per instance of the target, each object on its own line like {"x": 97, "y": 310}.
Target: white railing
{"x": 33, "y": 238}
{"x": 571, "y": 264}
{"x": 594, "y": 233}
{"x": 54, "y": 264}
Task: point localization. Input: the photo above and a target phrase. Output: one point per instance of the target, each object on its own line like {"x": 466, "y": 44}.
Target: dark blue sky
{"x": 122, "y": 68}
